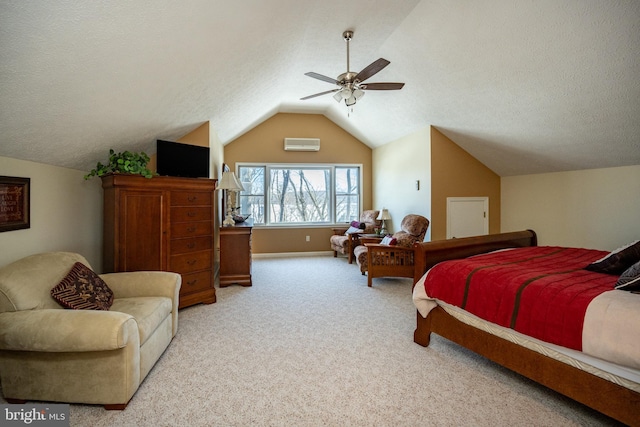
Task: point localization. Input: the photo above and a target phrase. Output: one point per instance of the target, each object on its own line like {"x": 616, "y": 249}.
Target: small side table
{"x": 235, "y": 254}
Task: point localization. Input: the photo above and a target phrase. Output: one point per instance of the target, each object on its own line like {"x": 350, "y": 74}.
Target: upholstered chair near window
{"x": 393, "y": 256}
{"x": 344, "y": 239}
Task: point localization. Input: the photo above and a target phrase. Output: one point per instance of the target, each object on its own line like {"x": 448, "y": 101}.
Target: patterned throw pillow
{"x": 630, "y": 279}
{"x": 82, "y": 289}
{"x": 617, "y": 261}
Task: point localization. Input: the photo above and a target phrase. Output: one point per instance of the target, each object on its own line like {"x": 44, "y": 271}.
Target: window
{"x": 300, "y": 194}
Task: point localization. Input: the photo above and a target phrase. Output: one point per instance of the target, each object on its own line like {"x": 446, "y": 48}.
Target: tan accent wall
{"x": 265, "y": 144}
{"x": 455, "y": 173}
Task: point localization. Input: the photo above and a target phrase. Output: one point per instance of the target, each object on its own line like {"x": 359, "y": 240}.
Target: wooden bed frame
{"x": 606, "y": 397}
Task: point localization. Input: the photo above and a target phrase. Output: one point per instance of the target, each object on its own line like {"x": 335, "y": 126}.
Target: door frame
{"x": 451, "y": 200}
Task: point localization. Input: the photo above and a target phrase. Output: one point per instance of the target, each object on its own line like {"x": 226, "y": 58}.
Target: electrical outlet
{"x": 308, "y": 238}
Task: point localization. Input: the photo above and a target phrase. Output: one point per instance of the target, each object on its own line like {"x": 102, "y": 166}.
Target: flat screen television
{"x": 184, "y": 160}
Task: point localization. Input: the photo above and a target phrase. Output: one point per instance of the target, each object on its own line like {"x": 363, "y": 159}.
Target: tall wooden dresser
{"x": 162, "y": 223}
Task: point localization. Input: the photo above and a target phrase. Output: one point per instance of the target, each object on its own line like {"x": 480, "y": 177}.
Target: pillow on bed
{"x": 617, "y": 261}
{"x": 630, "y": 279}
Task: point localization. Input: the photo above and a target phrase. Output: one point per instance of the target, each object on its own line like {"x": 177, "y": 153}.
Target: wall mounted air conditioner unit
{"x": 302, "y": 144}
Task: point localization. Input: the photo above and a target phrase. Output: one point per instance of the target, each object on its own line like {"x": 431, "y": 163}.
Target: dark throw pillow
{"x": 617, "y": 261}
{"x": 357, "y": 224}
{"x": 82, "y": 289}
{"x": 630, "y": 279}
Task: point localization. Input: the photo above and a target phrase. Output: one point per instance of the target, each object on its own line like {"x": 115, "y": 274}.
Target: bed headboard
{"x": 429, "y": 254}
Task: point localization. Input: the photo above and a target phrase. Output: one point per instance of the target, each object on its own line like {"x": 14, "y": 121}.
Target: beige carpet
{"x": 311, "y": 345}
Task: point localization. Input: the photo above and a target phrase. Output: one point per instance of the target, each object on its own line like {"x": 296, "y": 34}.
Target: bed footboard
{"x": 604, "y": 396}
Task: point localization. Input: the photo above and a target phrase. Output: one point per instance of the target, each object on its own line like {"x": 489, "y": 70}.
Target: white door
{"x": 467, "y": 216}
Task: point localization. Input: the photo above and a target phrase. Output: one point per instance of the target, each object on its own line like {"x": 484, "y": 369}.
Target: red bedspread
{"x": 539, "y": 291}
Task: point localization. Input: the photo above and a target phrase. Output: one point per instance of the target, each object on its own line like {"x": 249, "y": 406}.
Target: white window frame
{"x": 332, "y": 198}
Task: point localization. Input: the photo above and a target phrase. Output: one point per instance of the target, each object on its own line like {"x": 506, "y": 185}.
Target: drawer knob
{"x": 191, "y": 214}
{"x": 191, "y": 229}
{"x": 191, "y": 261}
{"x": 192, "y": 198}
{"x": 191, "y": 245}
{"x": 192, "y": 282}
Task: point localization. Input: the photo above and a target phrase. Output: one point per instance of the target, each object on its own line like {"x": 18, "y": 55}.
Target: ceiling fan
{"x": 351, "y": 85}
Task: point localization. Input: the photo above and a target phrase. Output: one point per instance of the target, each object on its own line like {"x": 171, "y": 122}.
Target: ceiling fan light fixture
{"x": 351, "y": 86}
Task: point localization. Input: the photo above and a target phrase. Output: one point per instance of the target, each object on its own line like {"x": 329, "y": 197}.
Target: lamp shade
{"x": 230, "y": 182}
{"x": 384, "y": 214}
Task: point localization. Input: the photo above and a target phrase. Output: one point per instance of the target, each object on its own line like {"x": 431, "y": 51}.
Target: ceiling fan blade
{"x": 382, "y": 86}
{"x": 321, "y": 77}
{"x": 372, "y": 69}
{"x": 318, "y": 94}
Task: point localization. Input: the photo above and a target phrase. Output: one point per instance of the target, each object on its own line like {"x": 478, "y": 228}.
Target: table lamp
{"x": 230, "y": 184}
{"x": 384, "y": 216}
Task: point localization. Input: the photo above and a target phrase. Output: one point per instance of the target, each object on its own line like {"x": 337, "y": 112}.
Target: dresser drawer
{"x": 194, "y": 282}
{"x": 191, "y": 198}
{"x": 185, "y": 213}
{"x": 180, "y": 246}
{"x": 192, "y": 261}
{"x": 190, "y": 229}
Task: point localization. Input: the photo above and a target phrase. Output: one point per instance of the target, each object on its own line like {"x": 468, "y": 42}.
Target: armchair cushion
{"x": 149, "y": 312}
{"x": 370, "y": 218}
{"x": 82, "y": 289}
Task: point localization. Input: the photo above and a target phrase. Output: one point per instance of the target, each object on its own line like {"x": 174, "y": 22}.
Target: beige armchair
{"x": 397, "y": 260}
{"x": 344, "y": 242}
{"x": 49, "y": 353}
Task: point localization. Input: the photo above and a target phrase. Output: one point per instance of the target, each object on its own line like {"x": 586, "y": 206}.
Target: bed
{"x": 556, "y": 357}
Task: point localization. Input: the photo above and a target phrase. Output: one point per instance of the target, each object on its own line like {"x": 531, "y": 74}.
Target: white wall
{"x": 597, "y": 208}
{"x": 396, "y": 168}
{"x": 66, "y": 213}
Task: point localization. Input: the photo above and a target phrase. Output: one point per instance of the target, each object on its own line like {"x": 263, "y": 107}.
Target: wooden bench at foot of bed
{"x": 597, "y": 393}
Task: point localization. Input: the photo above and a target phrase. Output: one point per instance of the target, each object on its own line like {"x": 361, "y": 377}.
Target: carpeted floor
{"x": 311, "y": 345}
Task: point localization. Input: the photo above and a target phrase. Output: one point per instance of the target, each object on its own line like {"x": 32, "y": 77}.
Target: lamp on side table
{"x": 230, "y": 184}
{"x": 384, "y": 216}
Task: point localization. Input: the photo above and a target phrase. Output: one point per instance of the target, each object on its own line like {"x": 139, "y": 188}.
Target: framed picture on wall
{"x": 14, "y": 203}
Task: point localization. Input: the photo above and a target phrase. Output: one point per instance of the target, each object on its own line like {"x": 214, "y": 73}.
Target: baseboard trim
{"x": 292, "y": 254}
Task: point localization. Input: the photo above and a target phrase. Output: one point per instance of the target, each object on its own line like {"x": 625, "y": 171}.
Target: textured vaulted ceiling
{"x": 525, "y": 86}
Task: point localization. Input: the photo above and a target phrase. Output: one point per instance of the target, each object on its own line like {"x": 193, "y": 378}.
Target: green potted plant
{"x": 125, "y": 162}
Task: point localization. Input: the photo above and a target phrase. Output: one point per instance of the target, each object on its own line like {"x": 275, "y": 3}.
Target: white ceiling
{"x": 525, "y": 86}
